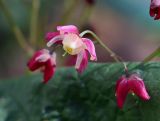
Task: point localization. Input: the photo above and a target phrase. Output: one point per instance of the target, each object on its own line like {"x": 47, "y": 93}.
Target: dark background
{"x": 124, "y": 25}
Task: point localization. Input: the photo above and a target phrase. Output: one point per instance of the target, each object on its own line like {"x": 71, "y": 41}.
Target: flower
{"x": 73, "y": 44}
{"x": 45, "y": 62}
{"x": 155, "y": 9}
{"x": 133, "y": 84}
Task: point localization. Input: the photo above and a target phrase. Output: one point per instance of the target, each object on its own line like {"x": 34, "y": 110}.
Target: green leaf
{"x": 73, "y": 97}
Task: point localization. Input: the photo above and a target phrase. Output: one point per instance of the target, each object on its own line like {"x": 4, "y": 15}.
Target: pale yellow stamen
{"x": 64, "y": 54}
{"x": 133, "y": 94}
{"x": 73, "y": 44}
{"x": 69, "y": 50}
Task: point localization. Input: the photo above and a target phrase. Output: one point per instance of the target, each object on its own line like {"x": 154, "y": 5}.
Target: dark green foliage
{"x": 73, "y": 97}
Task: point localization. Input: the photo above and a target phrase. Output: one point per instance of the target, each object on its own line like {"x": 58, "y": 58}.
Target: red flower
{"x": 155, "y": 9}
{"x": 132, "y": 84}
{"x": 44, "y": 61}
{"x": 73, "y": 44}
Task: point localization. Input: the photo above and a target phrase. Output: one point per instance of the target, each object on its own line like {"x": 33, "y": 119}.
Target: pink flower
{"x": 73, "y": 44}
{"x": 132, "y": 84}
{"x": 155, "y": 9}
{"x": 44, "y": 61}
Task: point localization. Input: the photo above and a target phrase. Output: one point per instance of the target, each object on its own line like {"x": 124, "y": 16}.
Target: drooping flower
{"x": 44, "y": 61}
{"x": 155, "y": 9}
{"x": 73, "y": 44}
{"x": 133, "y": 84}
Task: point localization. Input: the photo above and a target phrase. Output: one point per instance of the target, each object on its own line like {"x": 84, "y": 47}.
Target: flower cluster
{"x": 75, "y": 45}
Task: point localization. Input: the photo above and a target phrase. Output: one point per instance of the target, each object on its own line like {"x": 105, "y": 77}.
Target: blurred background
{"x": 124, "y": 25}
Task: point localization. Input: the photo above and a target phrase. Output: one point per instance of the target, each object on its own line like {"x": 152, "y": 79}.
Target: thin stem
{"x": 22, "y": 42}
{"x": 34, "y": 21}
{"x": 112, "y": 54}
{"x": 152, "y": 55}
{"x": 148, "y": 58}
{"x": 16, "y": 30}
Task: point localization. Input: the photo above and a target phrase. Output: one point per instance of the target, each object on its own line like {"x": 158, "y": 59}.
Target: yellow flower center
{"x": 68, "y": 50}
{"x": 73, "y": 44}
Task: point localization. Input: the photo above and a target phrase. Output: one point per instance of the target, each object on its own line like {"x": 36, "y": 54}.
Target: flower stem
{"x": 152, "y": 55}
{"x": 16, "y": 30}
{"x": 148, "y": 58}
{"x": 112, "y": 54}
{"x": 34, "y": 21}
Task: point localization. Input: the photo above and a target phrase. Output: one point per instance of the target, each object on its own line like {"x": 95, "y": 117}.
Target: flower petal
{"x": 34, "y": 63}
{"x": 91, "y": 48}
{"x": 155, "y": 9}
{"x": 122, "y": 91}
{"x": 117, "y": 83}
{"x": 71, "y": 60}
{"x": 53, "y": 58}
{"x": 51, "y": 35}
{"x": 138, "y": 87}
{"x": 44, "y": 61}
{"x": 157, "y": 13}
{"x": 73, "y": 44}
{"x": 152, "y": 11}
{"x": 42, "y": 58}
{"x": 48, "y": 71}
{"x": 68, "y": 29}
{"x": 82, "y": 61}
{"x": 56, "y": 40}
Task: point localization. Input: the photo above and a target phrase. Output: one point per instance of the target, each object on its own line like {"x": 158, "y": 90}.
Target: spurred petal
{"x": 82, "y": 61}
{"x": 48, "y": 71}
{"x": 50, "y": 67}
{"x": 91, "y": 48}
{"x": 122, "y": 91}
{"x": 117, "y": 84}
{"x": 51, "y": 35}
{"x": 79, "y": 60}
{"x": 42, "y": 58}
{"x": 33, "y": 63}
{"x": 68, "y": 29}
{"x": 55, "y": 40}
{"x": 137, "y": 85}
{"x": 53, "y": 58}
